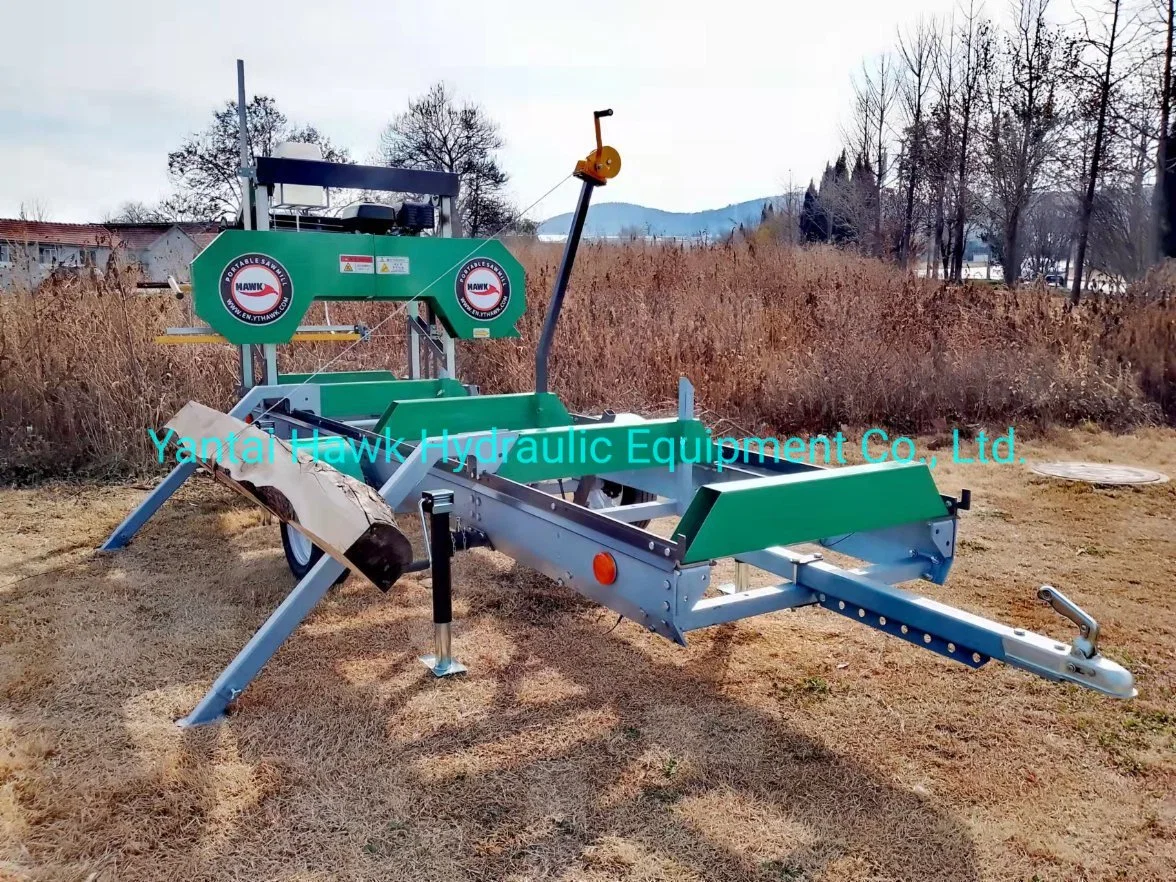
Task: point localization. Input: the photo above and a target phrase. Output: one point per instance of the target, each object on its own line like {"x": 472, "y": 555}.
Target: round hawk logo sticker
{"x": 483, "y": 289}
{"x": 256, "y": 289}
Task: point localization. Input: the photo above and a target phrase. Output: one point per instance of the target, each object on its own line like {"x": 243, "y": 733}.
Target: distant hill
{"x": 623, "y": 218}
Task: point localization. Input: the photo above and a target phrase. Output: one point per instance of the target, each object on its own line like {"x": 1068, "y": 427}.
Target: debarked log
{"x": 344, "y": 517}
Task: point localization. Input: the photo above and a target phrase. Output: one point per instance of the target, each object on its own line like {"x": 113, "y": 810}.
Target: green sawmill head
{"x": 255, "y": 286}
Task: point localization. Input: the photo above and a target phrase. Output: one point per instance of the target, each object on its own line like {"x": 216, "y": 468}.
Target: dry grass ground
{"x": 795, "y": 746}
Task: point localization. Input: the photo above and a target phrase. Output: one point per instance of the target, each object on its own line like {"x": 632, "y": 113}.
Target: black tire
{"x": 628, "y": 496}
{"x": 302, "y": 554}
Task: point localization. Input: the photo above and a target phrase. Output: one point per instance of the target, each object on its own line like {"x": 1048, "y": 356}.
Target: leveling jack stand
{"x": 438, "y": 504}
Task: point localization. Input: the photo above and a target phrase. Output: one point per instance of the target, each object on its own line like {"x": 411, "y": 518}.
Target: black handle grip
{"x": 599, "y": 113}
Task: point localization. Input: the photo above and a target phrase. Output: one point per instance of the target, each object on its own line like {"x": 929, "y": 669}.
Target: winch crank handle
{"x": 596, "y": 115}
{"x": 1087, "y": 642}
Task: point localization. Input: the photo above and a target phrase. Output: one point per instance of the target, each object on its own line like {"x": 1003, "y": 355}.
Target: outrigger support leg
{"x": 438, "y": 504}
{"x": 169, "y": 485}
{"x": 142, "y": 512}
{"x": 264, "y": 643}
{"x": 298, "y": 603}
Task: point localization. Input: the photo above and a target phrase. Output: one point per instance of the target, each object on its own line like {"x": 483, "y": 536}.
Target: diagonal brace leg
{"x": 296, "y": 607}
{"x": 265, "y": 643}
{"x": 142, "y": 512}
{"x": 169, "y": 485}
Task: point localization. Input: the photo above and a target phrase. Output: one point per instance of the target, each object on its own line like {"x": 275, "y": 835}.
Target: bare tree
{"x": 1123, "y": 222}
{"x": 918, "y": 51}
{"x": 883, "y": 89}
{"x": 132, "y": 213}
{"x": 941, "y": 150}
{"x": 1054, "y": 140}
{"x": 975, "y": 47}
{"x": 34, "y": 210}
{"x": 870, "y": 138}
{"x": 1022, "y": 126}
{"x": 180, "y": 206}
{"x": 859, "y": 137}
{"x": 1048, "y": 230}
{"x": 438, "y": 133}
{"x": 1096, "y": 72}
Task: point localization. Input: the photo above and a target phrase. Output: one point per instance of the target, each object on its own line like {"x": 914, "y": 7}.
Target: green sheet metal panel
{"x": 413, "y": 420}
{"x": 574, "y": 451}
{"x": 255, "y": 286}
{"x": 351, "y": 401}
{"x": 727, "y": 519}
{"x": 230, "y": 278}
{"x": 476, "y": 287}
{"x": 445, "y": 387}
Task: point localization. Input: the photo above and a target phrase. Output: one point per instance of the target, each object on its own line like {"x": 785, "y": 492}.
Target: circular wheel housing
{"x": 302, "y": 554}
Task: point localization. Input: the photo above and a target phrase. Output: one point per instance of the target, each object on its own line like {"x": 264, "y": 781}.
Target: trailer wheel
{"x": 302, "y": 554}
{"x": 619, "y": 494}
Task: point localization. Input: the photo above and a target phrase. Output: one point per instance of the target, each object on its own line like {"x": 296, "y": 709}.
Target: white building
{"x": 31, "y": 250}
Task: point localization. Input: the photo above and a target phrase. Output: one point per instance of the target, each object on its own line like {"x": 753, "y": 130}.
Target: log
{"x": 344, "y": 517}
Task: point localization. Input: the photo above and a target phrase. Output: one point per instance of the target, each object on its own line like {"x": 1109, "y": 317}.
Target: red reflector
{"x": 604, "y": 568}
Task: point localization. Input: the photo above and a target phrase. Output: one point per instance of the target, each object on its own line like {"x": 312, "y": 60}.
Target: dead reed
{"x": 776, "y": 339}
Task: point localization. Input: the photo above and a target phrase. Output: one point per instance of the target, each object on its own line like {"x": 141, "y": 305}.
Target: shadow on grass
{"x": 637, "y": 767}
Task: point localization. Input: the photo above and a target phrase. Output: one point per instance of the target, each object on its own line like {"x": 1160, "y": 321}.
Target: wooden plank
{"x": 346, "y": 518}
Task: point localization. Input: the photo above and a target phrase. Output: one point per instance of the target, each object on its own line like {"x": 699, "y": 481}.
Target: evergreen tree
{"x": 864, "y": 203}
{"x": 840, "y": 169}
{"x": 826, "y": 180}
{"x": 1166, "y": 188}
{"x": 837, "y": 203}
{"x": 813, "y": 222}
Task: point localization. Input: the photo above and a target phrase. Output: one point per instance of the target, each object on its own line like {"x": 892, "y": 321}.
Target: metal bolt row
{"x": 927, "y": 638}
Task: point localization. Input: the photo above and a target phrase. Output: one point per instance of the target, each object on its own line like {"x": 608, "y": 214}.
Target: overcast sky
{"x": 715, "y": 102}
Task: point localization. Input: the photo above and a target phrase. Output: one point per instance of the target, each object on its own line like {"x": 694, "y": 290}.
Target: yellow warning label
{"x": 392, "y": 266}
{"x": 347, "y": 268}
{"x": 481, "y": 333}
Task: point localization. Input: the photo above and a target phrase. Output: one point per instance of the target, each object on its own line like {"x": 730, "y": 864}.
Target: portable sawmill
{"x": 466, "y": 462}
